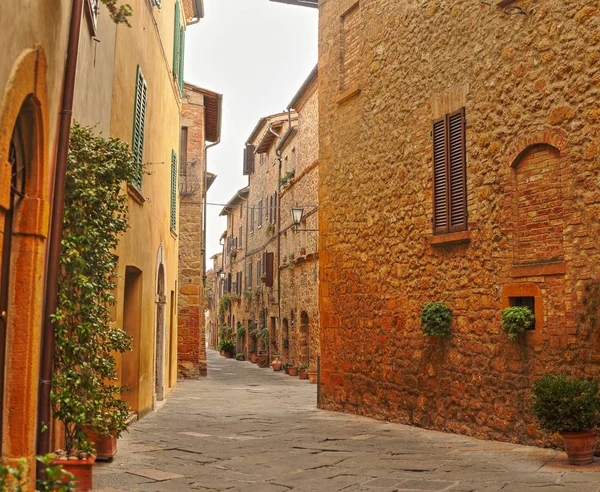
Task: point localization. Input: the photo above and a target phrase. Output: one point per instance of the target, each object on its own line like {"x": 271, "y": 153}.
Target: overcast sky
{"x": 256, "y": 53}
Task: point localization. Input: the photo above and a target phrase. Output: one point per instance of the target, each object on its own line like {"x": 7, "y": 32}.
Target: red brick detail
{"x": 552, "y": 137}
{"x": 539, "y": 269}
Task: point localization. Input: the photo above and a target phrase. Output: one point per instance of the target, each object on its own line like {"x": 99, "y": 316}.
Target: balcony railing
{"x": 189, "y": 183}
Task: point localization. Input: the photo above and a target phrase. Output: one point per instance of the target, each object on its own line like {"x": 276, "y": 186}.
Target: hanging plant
{"x": 84, "y": 392}
{"x": 516, "y": 320}
{"x": 435, "y": 319}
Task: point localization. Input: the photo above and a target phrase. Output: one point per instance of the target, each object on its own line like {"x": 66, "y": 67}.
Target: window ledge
{"x": 451, "y": 238}
{"x": 135, "y": 193}
{"x": 174, "y": 234}
{"x": 348, "y": 94}
{"x": 539, "y": 269}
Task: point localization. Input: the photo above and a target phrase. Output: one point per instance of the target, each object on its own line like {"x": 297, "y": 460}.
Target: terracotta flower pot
{"x": 293, "y": 371}
{"x": 287, "y": 370}
{"x": 222, "y": 353}
{"x": 580, "y": 446}
{"x": 106, "y": 447}
{"x": 262, "y": 360}
{"x": 276, "y": 365}
{"x": 312, "y": 377}
{"x": 253, "y": 358}
{"x": 228, "y": 355}
{"x": 303, "y": 373}
{"x": 81, "y": 470}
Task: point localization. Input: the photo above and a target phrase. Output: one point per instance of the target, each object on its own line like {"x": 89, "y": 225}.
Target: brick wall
{"x": 191, "y": 342}
{"x": 530, "y": 87}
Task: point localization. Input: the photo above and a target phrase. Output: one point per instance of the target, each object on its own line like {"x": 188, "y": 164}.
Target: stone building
{"x": 458, "y": 162}
{"x": 298, "y": 265}
{"x": 270, "y": 267}
{"x": 200, "y": 123}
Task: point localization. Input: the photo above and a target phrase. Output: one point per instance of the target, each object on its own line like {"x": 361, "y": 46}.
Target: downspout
{"x": 205, "y": 199}
{"x": 54, "y": 249}
{"x": 279, "y": 240}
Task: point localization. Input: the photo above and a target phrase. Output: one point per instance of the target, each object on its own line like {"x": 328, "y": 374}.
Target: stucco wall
{"x": 150, "y": 221}
{"x": 524, "y": 80}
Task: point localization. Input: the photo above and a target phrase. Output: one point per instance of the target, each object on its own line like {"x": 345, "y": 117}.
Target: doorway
{"x": 132, "y": 322}
{"x": 159, "y": 355}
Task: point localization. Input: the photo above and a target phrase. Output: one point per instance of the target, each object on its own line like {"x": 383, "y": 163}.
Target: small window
{"x": 249, "y": 276}
{"x": 449, "y": 174}
{"x": 258, "y": 272}
{"x": 261, "y": 159}
{"x": 241, "y": 210}
{"x": 260, "y": 214}
{"x": 252, "y": 220}
{"x": 240, "y": 235}
{"x": 528, "y": 302}
{"x": 139, "y": 122}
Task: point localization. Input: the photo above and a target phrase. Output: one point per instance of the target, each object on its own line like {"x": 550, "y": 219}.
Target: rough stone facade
{"x": 191, "y": 341}
{"x": 530, "y": 86}
{"x": 285, "y": 173}
{"x": 299, "y": 257}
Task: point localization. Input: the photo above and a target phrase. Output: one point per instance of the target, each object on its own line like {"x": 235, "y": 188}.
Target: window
{"x": 274, "y": 211}
{"x": 449, "y": 174}
{"x": 260, "y": 213}
{"x": 173, "y": 190}
{"x": 248, "y": 159}
{"x": 249, "y": 276}
{"x": 252, "y": 220}
{"x": 528, "y": 302}
{"x": 267, "y": 209}
{"x": 240, "y": 235}
{"x": 183, "y": 144}
{"x": 350, "y": 47}
{"x": 241, "y": 210}
{"x": 258, "y": 271}
{"x": 261, "y": 159}
{"x": 139, "y": 121}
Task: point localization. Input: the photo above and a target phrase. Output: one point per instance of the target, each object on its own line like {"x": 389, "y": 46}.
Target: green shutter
{"x": 176, "y": 36}
{"x": 173, "y": 190}
{"x": 139, "y": 121}
{"x": 181, "y": 55}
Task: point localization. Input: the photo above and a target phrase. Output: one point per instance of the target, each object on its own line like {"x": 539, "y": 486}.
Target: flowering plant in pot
{"x": 227, "y": 347}
{"x": 571, "y": 407}
{"x": 84, "y": 389}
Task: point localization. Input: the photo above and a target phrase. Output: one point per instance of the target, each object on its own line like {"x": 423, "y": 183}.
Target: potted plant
{"x": 302, "y": 251}
{"x": 276, "y": 364}
{"x": 286, "y": 367}
{"x": 292, "y": 370}
{"x": 84, "y": 393}
{"x": 303, "y": 371}
{"x": 435, "y": 319}
{"x": 253, "y": 357}
{"x": 227, "y": 347}
{"x": 55, "y": 479}
{"x": 284, "y": 260}
{"x": 516, "y": 320}
{"x": 571, "y": 407}
{"x": 240, "y": 357}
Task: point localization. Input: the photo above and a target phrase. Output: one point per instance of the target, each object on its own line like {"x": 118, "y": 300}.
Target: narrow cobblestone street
{"x": 244, "y": 428}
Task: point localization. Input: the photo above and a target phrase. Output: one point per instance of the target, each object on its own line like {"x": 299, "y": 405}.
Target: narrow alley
{"x": 244, "y": 428}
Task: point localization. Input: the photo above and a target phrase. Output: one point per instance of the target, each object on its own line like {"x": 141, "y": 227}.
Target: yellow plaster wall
{"x": 34, "y": 39}
{"x": 149, "y": 44}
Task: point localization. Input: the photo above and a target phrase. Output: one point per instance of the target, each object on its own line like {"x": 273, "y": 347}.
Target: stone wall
{"x": 530, "y": 86}
{"x": 191, "y": 341}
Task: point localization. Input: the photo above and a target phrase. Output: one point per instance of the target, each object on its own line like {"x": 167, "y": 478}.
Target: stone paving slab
{"x": 243, "y": 428}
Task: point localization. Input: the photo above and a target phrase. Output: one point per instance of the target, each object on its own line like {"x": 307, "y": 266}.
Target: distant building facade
{"x": 458, "y": 162}
{"x": 200, "y": 123}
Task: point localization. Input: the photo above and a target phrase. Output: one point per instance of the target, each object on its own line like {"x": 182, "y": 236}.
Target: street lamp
{"x": 297, "y": 213}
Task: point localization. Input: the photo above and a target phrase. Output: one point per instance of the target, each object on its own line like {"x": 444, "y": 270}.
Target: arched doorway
{"x": 304, "y": 349}
{"x": 20, "y": 149}
{"x": 160, "y": 328}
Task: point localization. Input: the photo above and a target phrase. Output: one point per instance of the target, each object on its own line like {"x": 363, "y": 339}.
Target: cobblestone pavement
{"x": 249, "y": 429}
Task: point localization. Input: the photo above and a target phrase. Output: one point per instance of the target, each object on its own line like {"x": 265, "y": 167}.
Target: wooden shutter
{"x": 240, "y": 235}
{"x": 260, "y": 216}
{"x": 274, "y": 214}
{"x": 181, "y": 55}
{"x": 457, "y": 172}
{"x": 173, "y": 190}
{"x": 258, "y": 272}
{"x": 268, "y": 267}
{"x": 176, "y": 42}
{"x": 139, "y": 122}
{"x": 249, "y": 277}
{"x": 440, "y": 191}
{"x": 249, "y": 159}
{"x": 252, "y": 219}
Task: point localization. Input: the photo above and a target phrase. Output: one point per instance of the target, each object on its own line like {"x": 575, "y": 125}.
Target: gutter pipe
{"x": 54, "y": 249}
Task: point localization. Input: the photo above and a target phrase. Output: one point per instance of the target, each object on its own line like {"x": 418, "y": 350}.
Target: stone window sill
{"x": 451, "y": 238}
{"x": 348, "y": 94}
{"x": 174, "y": 234}
{"x": 135, "y": 193}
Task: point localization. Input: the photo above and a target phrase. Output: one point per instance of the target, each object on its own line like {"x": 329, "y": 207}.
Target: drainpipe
{"x": 58, "y": 206}
{"x": 279, "y": 241}
{"x": 204, "y": 197}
